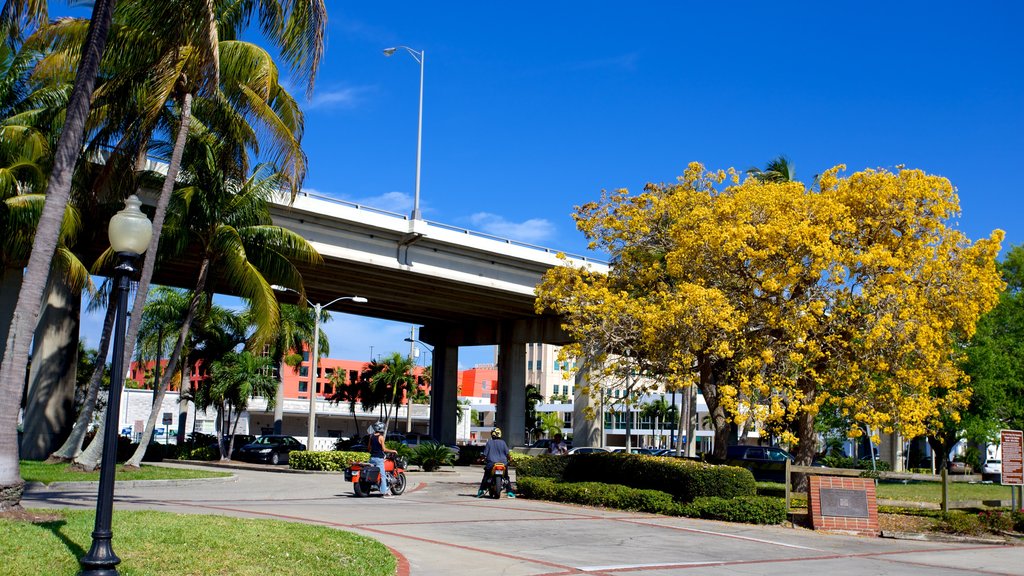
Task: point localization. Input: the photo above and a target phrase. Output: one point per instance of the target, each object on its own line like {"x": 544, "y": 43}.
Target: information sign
{"x": 1012, "y": 445}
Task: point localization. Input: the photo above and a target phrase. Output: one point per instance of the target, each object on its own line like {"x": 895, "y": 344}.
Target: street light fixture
{"x": 130, "y": 232}
{"x": 419, "y": 56}
{"x": 317, "y": 309}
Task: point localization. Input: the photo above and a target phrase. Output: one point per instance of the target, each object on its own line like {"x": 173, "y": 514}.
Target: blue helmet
{"x": 378, "y": 427}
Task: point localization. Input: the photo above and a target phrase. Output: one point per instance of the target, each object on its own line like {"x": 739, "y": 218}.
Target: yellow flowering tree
{"x": 778, "y": 300}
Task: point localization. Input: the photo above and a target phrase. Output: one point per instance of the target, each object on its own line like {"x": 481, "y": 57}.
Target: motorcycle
{"x": 366, "y": 477}
{"x": 500, "y": 481}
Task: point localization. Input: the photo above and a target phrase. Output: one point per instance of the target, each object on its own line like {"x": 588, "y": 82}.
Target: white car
{"x": 992, "y": 469}
{"x": 587, "y": 450}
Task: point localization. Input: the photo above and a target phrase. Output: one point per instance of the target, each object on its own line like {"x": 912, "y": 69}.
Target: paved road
{"x": 439, "y": 528}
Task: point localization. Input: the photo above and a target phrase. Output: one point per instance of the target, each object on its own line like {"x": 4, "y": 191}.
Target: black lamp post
{"x": 129, "y": 232}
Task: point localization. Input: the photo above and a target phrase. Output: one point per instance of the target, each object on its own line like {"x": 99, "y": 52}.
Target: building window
{"x": 567, "y": 419}
{"x": 317, "y": 387}
{"x": 353, "y": 376}
{"x": 303, "y": 386}
{"x": 328, "y": 388}
{"x": 303, "y": 371}
{"x": 305, "y": 355}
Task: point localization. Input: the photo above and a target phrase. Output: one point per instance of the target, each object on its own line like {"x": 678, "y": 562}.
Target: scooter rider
{"x": 377, "y": 451}
{"x": 495, "y": 452}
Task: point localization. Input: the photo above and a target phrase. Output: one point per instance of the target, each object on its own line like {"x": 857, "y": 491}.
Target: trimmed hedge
{"x": 542, "y": 466}
{"x": 748, "y": 509}
{"x": 200, "y": 453}
{"x": 326, "y": 461}
{"x": 685, "y": 480}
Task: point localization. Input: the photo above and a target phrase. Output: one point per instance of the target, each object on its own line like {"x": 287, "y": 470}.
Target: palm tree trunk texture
{"x": 172, "y": 363}
{"x": 73, "y": 445}
{"x": 50, "y": 396}
{"x": 186, "y": 380}
{"x": 69, "y": 146}
{"x": 10, "y": 285}
{"x": 279, "y": 402}
{"x": 89, "y": 458}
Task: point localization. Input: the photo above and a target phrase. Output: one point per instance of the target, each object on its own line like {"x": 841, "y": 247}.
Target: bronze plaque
{"x": 844, "y": 503}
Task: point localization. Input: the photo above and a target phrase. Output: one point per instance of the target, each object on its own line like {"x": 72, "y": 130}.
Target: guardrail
{"x": 452, "y": 228}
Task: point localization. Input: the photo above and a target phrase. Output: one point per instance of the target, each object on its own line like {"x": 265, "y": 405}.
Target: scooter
{"x": 365, "y": 477}
{"x": 500, "y": 481}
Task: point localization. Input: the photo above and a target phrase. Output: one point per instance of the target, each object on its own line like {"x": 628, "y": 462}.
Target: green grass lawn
{"x": 35, "y": 471}
{"x": 932, "y": 491}
{"x": 158, "y": 543}
{"x": 914, "y": 492}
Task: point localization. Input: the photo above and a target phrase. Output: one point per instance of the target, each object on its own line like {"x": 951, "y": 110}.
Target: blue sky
{"x": 531, "y": 108}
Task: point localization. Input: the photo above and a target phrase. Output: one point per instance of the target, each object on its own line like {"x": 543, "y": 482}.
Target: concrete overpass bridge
{"x": 463, "y": 288}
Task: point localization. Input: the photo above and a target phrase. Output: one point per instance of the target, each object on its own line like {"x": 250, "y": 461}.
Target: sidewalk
{"x": 439, "y": 528}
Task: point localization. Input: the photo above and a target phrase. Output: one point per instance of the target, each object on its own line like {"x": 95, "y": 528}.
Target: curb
{"x": 951, "y": 538}
{"x": 55, "y": 486}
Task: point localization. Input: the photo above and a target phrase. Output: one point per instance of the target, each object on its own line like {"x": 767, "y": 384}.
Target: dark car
{"x": 414, "y": 439}
{"x": 272, "y": 448}
{"x": 766, "y": 463}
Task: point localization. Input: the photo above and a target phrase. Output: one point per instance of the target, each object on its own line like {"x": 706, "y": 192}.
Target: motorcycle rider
{"x": 378, "y": 451}
{"x": 495, "y": 452}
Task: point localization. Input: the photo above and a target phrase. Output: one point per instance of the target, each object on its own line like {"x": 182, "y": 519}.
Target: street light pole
{"x": 420, "y": 56}
{"x": 412, "y": 340}
{"x": 129, "y": 232}
{"x": 317, "y": 310}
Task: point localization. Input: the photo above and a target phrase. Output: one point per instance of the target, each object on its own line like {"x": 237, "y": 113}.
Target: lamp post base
{"x": 101, "y": 560}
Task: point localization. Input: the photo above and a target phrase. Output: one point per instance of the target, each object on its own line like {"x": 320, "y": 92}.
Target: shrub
{"x": 404, "y": 451}
{"x": 996, "y": 520}
{"x": 960, "y": 523}
{"x": 199, "y": 453}
{"x": 862, "y": 464}
{"x": 1018, "y": 520}
{"x": 327, "y": 461}
{"x": 431, "y": 456}
{"x": 747, "y": 509}
{"x": 543, "y": 466}
{"x": 685, "y": 480}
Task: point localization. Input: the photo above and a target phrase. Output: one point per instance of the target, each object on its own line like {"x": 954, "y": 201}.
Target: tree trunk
{"x": 73, "y": 445}
{"x": 50, "y": 396}
{"x": 58, "y": 191}
{"x": 198, "y": 296}
{"x": 708, "y": 382}
{"x": 186, "y": 380}
{"x": 89, "y": 459}
{"x": 279, "y": 401}
{"x": 806, "y": 439}
{"x": 691, "y": 422}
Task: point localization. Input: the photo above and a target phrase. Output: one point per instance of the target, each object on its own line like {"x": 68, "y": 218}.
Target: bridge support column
{"x": 511, "y": 408}
{"x": 444, "y": 393}
{"x": 586, "y": 431}
{"x": 50, "y": 398}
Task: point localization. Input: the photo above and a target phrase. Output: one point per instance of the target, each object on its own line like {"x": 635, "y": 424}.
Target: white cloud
{"x": 399, "y": 202}
{"x": 340, "y": 98}
{"x": 533, "y": 230}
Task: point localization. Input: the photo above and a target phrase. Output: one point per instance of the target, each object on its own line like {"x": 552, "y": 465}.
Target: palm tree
{"x": 295, "y": 27}
{"x": 294, "y": 331}
{"x": 45, "y": 242}
{"x": 227, "y": 223}
{"x": 236, "y": 379}
{"x": 551, "y": 423}
{"x": 778, "y": 169}
{"x": 657, "y": 410}
{"x": 392, "y": 381}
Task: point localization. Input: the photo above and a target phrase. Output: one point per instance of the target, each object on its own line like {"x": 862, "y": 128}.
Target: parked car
{"x": 588, "y": 450}
{"x": 957, "y": 467}
{"x": 992, "y": 470}
{"x": 546, "y": 442}
{"x": 767, "y": 464}
{"x": 272, "y": 448}
{"x": 240, "y": 440}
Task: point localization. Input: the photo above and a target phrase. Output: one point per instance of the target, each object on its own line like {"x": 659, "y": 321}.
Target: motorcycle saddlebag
{"x": 369, "y": 474}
